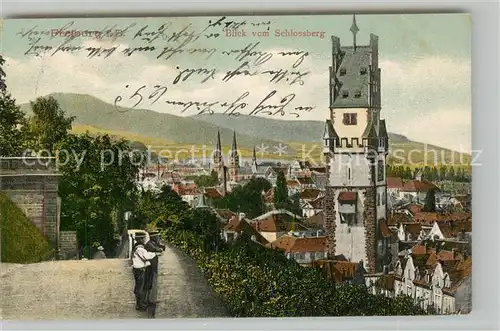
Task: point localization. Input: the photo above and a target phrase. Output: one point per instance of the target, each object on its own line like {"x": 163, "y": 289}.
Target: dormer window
{"x": 343, "y": 71}
{"x": 363, "y": 71}
{"x": 357, "y": 94}
{"x": 345, "y": 94}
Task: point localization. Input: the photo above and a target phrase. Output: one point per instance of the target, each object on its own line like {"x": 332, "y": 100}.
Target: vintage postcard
{"x": 250, "y": 166}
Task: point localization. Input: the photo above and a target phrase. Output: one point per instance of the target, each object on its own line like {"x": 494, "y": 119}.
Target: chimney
{"x": 453, "y": 253}
{"x": 385, "y": 270}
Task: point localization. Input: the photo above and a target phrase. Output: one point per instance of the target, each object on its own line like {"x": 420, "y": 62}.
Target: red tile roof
{"x": 384, "y": 229}
{"x": 212, "y": 192}
{"x": 225, "y": 214}
{"x": 316, "y": 221}
{"x": 241, "y": 225}
{"x": 413, "y": 229}
{"x": 317, "y": 203}
{"x": 430, "y": 217}
{"x": 414, "y": 208}
{"x": 397, "y": 218}
{"x": 452, "y": 229}
{"x": 291, "y": 244}
{"x": 418, "y": 186}
{"x": 305, "y": 180}
{"x": 458, "y": 272}
{"x": 348, "y": 196}
{"x": 278, "y": 223}
{"x": 309, "y": 194}
{"x": 394, "y": 182}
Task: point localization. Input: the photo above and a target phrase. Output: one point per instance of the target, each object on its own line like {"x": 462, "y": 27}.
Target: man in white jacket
{"x": 141, "y": 259}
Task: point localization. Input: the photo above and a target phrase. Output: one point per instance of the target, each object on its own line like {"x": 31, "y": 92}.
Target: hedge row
{"x": 254, "y": 281}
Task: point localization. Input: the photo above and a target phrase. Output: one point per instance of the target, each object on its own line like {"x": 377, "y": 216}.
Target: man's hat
{"x": 100, "y": 248}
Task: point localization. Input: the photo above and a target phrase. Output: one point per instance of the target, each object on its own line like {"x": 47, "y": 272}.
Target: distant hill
{"x": 94, "y": 112}
{"x": 270, "y": 128}
{"x": 182, "y": 133}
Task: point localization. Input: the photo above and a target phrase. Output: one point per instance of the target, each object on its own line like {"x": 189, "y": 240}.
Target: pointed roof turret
{"x": 254, "y": 156}
{"x": 354, "y": 29}
{"x": 218, "y": 145}
{"x": 330, "y": 132}
{"x": 234, "y": 148}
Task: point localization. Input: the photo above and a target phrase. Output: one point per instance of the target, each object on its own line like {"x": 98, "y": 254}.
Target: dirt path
{"x": 95, "y": 289}
{"x": 183, "y": 290}
{"x": 102, "y": 289}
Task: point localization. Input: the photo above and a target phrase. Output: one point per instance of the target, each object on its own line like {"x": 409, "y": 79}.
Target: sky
{"x": 425, "y": 61}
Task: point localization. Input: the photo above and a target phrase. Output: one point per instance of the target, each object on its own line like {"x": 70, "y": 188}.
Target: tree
{"x": 430, "y": 201}
{"x": 281, "y": 192}
{"x": 49, "y": 124}
{"x": 435, "y": 174}
{"x": 442, "y": 172}
{"x": 11, "y": 120}
{"x": 247, "y": 199}
{"x": 95, "y": 190}
{"x": 206, "y": 181}
{"x": 451, "y": 174}
{"x": 164, "y": 209}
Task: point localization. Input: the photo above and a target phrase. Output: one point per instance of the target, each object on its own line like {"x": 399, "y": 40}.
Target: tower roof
{"x": 382, "y": 130}
{"x": 353, "y": 71}
{"x": 330, "y": 132}
{"x": 234, "y": 147}
{"x": 254, "y": 156}
{"x": 218, "y": 145}
{"x": 354, "y": 29}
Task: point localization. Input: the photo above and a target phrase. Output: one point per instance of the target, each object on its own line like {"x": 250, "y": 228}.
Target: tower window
{"x": 363, "y": 71}
{"x": 380, "y": 176}
{"x": 345, "y": 94}
{"x": 357, "y": 94}
{"x": 343, "y": 71}
{"x": 350, "y": 119}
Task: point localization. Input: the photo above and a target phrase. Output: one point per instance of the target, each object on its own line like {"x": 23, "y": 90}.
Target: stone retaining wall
{"x": 32, "y": 185}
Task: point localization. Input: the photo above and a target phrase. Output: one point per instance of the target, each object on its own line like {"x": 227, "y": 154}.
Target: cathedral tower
{"x": 356, "y": 148}
{"x": 234, "y": 161}
{"x": 218, "y": 160}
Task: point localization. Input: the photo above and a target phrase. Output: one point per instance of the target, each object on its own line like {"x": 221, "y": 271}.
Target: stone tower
{"x": 234, "y": 161}
{"x": 356, "y": 148}
{"x": 218, "y": 160}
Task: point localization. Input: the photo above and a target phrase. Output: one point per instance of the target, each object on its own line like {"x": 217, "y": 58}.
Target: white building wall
{"x": 340, "y": 164}
{"x": 350, "y": 130}
{"x": 381, "y": 203}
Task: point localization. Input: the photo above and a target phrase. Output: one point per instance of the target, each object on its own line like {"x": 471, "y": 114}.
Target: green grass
{"x": 21, "y": 241}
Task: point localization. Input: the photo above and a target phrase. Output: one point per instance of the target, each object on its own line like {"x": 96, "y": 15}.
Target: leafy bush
{"x": 21, "y": 241}
{"x": 254, "y": 281}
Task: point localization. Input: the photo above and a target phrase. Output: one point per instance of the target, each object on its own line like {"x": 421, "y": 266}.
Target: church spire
{"x": 254, "y": 156}
{"x": 354, "y": 29}
{"x": 219, "y": 146}
{"x": 234, "y": 149}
